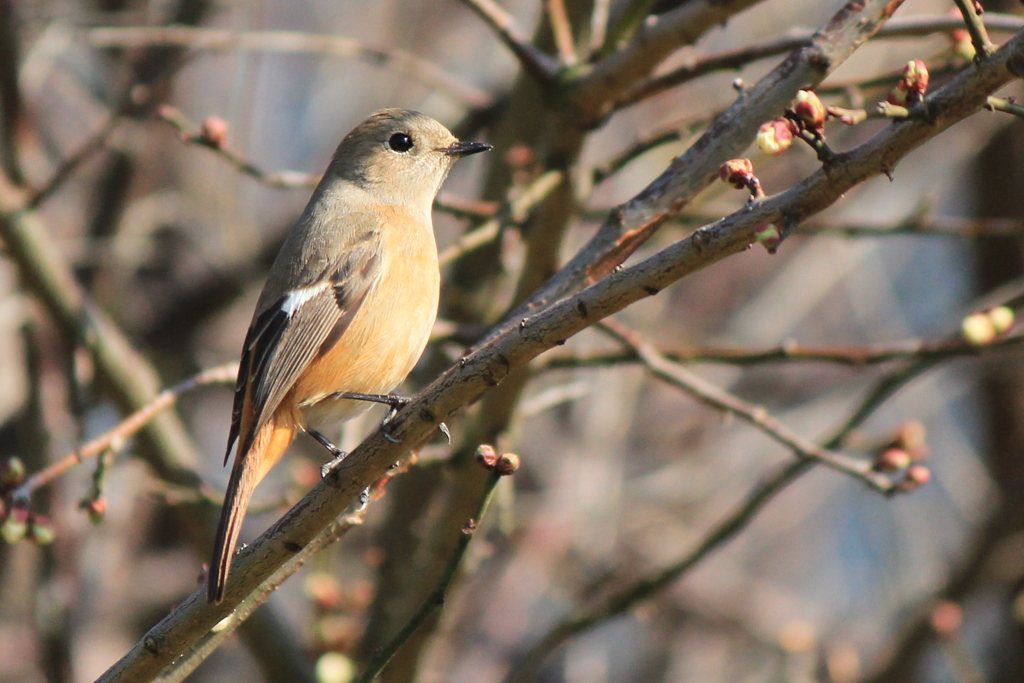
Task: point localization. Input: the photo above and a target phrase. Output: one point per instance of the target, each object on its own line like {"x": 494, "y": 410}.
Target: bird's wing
{"x": 289, "y": 333}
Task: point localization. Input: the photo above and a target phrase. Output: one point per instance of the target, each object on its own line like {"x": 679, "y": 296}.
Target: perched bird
{"x": 348, "y": 305}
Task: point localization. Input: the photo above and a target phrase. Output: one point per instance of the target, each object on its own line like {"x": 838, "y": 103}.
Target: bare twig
{"x": 436, "y": 597}
{"x": 516, "y": 212}
{"x": 10, "y": 93}
{"x": 598, "y": 25}
{"x": 632, "y": 17}
{"x": 708, "y": 393}
{"x": 132, "y": 381}
{"x": 855, "y": 356}
{"x": 540, "y": 65}
{"x": 282, "y": 180}
{"x": 114, "y": 439}
{"x": 1006, "y": 106}
{"x": 290, "y": 42}
{"x": 69, "y": 165}
{"x": 976, "y": 27}
{"x": 529, "y": 662}
{"x": 513, "y": 348}
{"x": 202, "y": 649}
{"x": 735, "y": 59}
{"x": 562, "y": 31}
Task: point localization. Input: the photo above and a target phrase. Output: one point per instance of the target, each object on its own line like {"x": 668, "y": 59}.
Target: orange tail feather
{"x": 249, "y": 468}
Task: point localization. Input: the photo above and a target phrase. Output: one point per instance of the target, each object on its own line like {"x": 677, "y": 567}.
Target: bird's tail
{"x": 249, "y": 468}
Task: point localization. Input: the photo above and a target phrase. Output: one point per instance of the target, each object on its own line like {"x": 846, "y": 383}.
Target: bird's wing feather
{"x": 289, "y": 333}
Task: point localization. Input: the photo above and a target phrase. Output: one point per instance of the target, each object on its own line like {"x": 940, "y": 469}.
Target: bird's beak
{"x": 463, "y": 149}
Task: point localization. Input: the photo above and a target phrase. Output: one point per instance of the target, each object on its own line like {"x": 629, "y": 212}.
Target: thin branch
{"x": 598, "y": 25}
{"x": 282, "y": 180}
{"x": 516, "y": 212}
{"x": 205, "y": 647}
{"x": 755, "y": 501}
{"x": 10, "y": 93}
{"x": 67, "y": 167}
{"x": 645, "y": 144}
{"x": 1006, "y": 106}
{"x": 856, "y": 356}
{"x": 736, "y": 59}
{"x": 976, "y": 27}
{"x": 561, "y": 30}
{"x": 290, "y": 42}
{"x": 540, "y": 65}
{"x": 131, "y": 379}
{"x": 632, "y": 17}
{"x": 509, "y": 351}
{"x": 297, "y": 180}
{"x": 435, "y": 599}
{"x": 115, "y": 438}
{"x": 714, "y": 396}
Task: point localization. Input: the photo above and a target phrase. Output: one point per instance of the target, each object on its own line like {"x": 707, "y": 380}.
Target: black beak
{"x": 464, "y": 149}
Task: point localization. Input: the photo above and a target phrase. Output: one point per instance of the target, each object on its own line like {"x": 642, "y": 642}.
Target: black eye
{"x": 400, "y": 142}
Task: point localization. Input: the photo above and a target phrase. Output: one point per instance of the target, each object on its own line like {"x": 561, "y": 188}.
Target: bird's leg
{"x": 395, "y": 403}
{"x": 337, "y": 455}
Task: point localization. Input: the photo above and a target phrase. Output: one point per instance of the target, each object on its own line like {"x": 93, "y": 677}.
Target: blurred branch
{"x": 855, "y": 356}
{"x": 592, "y": 92}
{"x": 509, "y": 351}
{"x": 709, "y": 394}
{"x": 561, "y": 30}
{"x": 10, "y": 93}
{"x": 289, "y": 42}
{"x": 282, "y": 180}
{"x": 94, "y": 144}
{"x": 735, "y": 59}
{"x": 1005, "y": 105}
{"x": 292, "y": 180}
{"x": 534, "y": 61}
{"x": 205, "y": 647}
{"x": 114, "y": 439}
{"x": 528, "y": 663}
{"x": 132, "y": 381}
{"x": 979, "y": 36}
{"x": 643, "y": 145}
{"x": 516, "y": 212}
{"x": 435, "y": 599}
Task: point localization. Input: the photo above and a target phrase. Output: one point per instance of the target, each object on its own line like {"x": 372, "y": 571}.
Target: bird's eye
{"x": 400, "y": 142}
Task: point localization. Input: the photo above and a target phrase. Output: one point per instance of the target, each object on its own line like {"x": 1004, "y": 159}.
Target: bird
{"x": 347, "y": 308}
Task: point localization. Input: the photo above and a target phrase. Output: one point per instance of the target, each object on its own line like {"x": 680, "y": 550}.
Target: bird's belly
{"x": 377, "y": 351}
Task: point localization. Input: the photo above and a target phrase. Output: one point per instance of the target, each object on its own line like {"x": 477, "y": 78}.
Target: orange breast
{"x": 387, "y": 334}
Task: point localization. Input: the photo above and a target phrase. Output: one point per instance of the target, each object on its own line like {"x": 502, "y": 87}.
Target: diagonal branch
{"x": 709, "y": 394}
{"x": 533, "y": 60}
{"x": 726, "y": 138}
{"x": 486, "y": 366}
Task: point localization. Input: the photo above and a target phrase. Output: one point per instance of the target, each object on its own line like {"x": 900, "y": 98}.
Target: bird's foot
{"x": 327, "y": 469}
{"x": 395, "y": 403}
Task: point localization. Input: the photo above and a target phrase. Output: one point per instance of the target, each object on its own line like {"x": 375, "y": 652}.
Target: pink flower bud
{"x": 809, "y": 109}
{"x": 892, "y": 460}
{"x": 737, "y": 172}
{"x": 769, "y": 236}
{"x": 775, "y": 137}
{"x": 507, "y": 464}
{"x": 486, "y": 456}
{"x": 15, "y": 526}
{"x": 12, "y": 473}
{"x": 213, "y": 131}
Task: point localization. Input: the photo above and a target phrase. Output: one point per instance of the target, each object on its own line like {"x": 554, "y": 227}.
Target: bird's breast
{"x": 388, "y": 333}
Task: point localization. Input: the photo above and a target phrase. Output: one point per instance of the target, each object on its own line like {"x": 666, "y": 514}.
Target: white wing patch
{"x": 295, "y": 298}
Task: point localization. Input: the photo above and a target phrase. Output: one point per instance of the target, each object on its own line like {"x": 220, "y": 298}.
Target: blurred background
{"x": 623, "y": 475}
